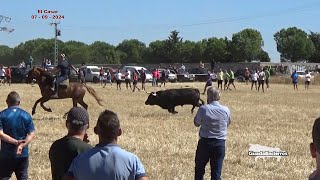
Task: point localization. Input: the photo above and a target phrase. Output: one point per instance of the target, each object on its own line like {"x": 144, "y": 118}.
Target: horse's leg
{"x": 35, "y": 105}
{"x": 74, "y": 101}
{"x": 42, "y": 104}
{"x": 83, "y": 104}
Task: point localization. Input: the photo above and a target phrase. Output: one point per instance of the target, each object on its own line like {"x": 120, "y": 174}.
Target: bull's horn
{"x": 154, "y": 93}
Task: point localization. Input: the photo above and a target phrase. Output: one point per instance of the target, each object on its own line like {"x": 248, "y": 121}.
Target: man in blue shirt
{"x": 213, "y": 120}
{"x": 106, "y": 160}
{"x": 16, "y": 132}
{"x": 295, "y": 79}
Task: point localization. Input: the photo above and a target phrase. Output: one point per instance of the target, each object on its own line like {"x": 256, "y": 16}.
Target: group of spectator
{"x": 160, "y": 76}
{"x": 5, "y": 75}
{"x": 71, "y": 157}
{"x": 227, "y": 77}
{"x": 295, "y": 79}
{"x": 262, "y": 77}
{"x": 45, "y": 63}
{"x": 129, "y": 77}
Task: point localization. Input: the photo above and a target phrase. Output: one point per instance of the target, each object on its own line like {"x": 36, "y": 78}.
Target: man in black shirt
{"x": 64, "y": 150}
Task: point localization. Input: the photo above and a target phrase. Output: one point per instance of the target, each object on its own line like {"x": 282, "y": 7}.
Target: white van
{"x": 92, "y": 74}
{"x": 137, "y": 69}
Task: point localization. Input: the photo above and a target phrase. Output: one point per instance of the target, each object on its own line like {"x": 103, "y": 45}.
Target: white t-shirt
{"x": 128, "y": 75}
{"x": 255, "y": 77}
{"x": 118, "y": 76}
{"x": 262, "y": 75}
{"x": 2, "y": 72}
{"x": 308, "y": 77}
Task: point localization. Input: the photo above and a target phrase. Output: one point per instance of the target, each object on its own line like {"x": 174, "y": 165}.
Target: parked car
{"x": 201, "y": 74}
{"x": 93, "y": 74}
{"x": 240, "y": 74}
{"x": 19, "y": 75}
{"x": 137, "y": 69}
{"x": 302, "y": 74}
{"x": 172, "y": 76}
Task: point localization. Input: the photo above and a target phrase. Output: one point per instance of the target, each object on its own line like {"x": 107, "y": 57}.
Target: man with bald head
{"x": 213, "y": 120}
{"x": 315, "y": 149}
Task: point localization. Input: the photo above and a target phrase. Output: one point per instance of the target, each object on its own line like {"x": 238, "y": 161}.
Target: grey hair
{"x": 213, "y": 94}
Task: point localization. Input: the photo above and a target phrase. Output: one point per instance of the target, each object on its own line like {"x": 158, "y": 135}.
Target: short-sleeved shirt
{"x": 16, "y": 123}
{"x": 308, "y": 77}
{"x": 143, "y": 76}
{"x": 226, "y": 76}
{"x": 267, "y": 74}
{"x": 62, "y": 152}
{"x": 294, "y": 77}
{"x": 118, "y": 76}
{"x": 255, "y": 77}
{"x": 231, "y": 75}
{"x": 128, "y": 75}
{"x": 106, "y": 162}
{"x": 220, "y": 76}
{"x": 262, "y": 75}
{"x": 213, "y": 119}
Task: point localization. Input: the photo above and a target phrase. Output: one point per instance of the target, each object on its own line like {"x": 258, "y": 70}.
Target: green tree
{"x": 157, "y": 52}
{"x": 315, "y": 38}
{"x": 246, "y": 45}
{"x": 134, "y": 50}
{"x": 6, "y": 55}
{"x": 173, "y": 47}
{"x": 99, "y": 52}
{"x": 294, "y": 44}
{"x": 77, "y": 52}
{"x": 263, "y": 56}
{"x": 216, "y": 48}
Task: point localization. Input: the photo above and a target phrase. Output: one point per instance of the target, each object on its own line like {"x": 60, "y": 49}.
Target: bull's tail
{"x": 202, "y": 102}
{"x": 94, "y": 94}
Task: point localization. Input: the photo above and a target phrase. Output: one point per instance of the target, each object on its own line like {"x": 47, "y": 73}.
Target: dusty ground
{"x": 166, "y": 143}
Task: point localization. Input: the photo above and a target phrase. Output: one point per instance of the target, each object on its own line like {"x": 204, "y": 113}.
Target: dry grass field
{"x": 166, "y": 143}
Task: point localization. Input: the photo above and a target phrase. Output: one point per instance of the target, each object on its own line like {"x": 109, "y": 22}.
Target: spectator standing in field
{"x": 16, "y": 132}
{"x": 307, "y": 79}
{"x": 128, "y": 78}
{"x": 143, "y": 78}
{"x": 254, "y": 79}
{"x": 48, "y": 62}
{"x": 267, "y": 73}
{"x": 201, "y": 65}
{"x": 220, "y": 79}
{"x": 183, "y": 68}
{"x": 82, "y": 71}
{"x": 154, "y": 77}
{"x": 64, "y": 150}
{"x": 135, "y": 81}
{"x": 315, "y": 149}
{"x": 101, "y": 75}
{"x": 208, "y": 83}
{"x": 247, "y": 75}
{"x": 158, "y": 77}
{"x": 107, "y": 160}
{"x": 261, "y": 79}
{"x": 213, "y": 120}
{"x": 2, "y": 74}
{"x": 109, "y": 78}
{"x": 226, "y": 78}
{"x": 118, "y": 79}
{"x": 231, "y": 81}
{"x": 29, "y": 63}
{"x": 163, "y": 78}
{"x": 44, "y": 63}
{"x": 8, "y": 75}
{"x": 295, "y": 79}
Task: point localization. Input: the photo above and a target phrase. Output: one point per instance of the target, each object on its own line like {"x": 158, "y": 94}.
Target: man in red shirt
{"x": 8, "y": 75}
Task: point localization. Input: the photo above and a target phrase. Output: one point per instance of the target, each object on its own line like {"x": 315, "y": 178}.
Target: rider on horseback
{"x": 64, "y": 68}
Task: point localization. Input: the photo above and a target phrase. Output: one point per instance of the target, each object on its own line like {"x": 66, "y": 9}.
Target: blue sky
{"x": 115, "y": 20}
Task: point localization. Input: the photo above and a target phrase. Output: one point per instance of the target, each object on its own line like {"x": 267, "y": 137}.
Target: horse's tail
{"x": 94, "y": 94}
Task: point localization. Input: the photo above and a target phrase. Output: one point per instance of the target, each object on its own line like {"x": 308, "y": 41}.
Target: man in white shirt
{"x": 307, "y": 80}
{"x": 2, "y": 74}
{"x": 254, "y": 79}
{"x": 128, "y": 78}
{"x": 118, "y": 79}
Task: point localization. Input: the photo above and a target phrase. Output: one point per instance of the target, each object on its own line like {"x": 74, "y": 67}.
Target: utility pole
{"x": 6, "y": 19}
{"x": 57, "y": 33}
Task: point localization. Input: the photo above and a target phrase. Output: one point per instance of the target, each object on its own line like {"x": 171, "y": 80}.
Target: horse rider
{"x": 64, "y": 68}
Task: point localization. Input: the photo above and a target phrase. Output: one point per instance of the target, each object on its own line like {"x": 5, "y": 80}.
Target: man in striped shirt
{"x": 213, "y": 120}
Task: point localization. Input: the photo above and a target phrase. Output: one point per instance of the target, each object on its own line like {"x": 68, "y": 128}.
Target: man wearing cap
{"x": 315, "y": 149}
{"x": 64, "y": 150}
{"x": 107, "y": 160}
{"x": 16, "y": 132}
{"x": 213, "y": 120}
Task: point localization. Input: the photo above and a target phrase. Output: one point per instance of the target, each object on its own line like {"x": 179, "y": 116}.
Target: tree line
{"x": 293, "y": 44}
